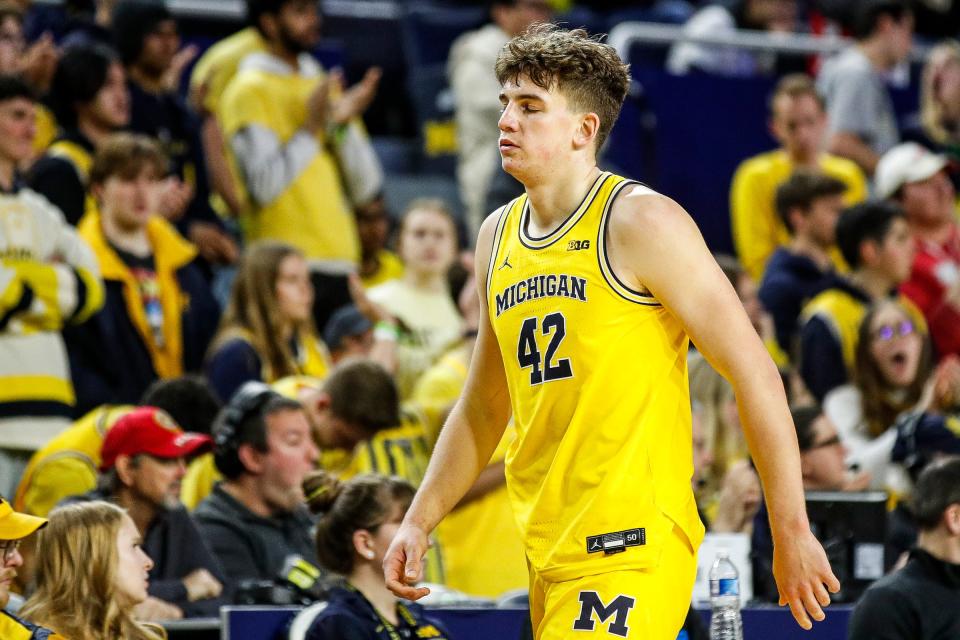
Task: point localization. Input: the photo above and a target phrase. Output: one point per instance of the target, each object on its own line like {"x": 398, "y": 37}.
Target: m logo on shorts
{"x": 619, "y": 609}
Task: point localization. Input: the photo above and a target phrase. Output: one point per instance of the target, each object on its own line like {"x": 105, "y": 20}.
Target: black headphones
{"x": 248, "y": 401}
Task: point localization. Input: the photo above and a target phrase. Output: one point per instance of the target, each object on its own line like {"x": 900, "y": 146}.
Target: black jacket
{"x": 249, "y": 546}
{"x": 789, "y": 281}
{"x": 919, "y": 602}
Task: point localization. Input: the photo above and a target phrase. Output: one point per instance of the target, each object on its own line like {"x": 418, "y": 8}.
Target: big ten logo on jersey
{"x": 616, "y": 612}
{"x": 578, "y": 245}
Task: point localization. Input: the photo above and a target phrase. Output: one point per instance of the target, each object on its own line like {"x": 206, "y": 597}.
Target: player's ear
{"x": 588, "y": 130}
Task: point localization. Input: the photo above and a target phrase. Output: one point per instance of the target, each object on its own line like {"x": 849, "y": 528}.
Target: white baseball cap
{"x": 905, "y": 163}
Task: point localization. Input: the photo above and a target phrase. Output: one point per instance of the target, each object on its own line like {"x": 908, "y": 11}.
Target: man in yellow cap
{"x": 14, "y": 527}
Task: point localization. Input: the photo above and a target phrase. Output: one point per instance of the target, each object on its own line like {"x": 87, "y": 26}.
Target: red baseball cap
{"x": 152, "y": 431}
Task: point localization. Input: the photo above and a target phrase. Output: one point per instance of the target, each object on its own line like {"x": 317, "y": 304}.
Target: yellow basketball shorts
{"x": 647, "y": 604}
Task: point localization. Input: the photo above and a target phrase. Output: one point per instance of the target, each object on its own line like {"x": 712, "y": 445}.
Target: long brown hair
{"x": 879, "y": 400}
{"x": 76, "y": 576}
{"x": 253, "y": 312}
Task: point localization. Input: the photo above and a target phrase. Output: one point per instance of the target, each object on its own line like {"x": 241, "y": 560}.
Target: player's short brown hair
{"x": 589, "y": 73}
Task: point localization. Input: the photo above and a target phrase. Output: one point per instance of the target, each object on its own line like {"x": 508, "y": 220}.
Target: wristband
{"x": 386, "y": 331}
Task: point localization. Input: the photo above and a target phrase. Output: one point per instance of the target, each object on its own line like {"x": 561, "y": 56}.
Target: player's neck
{"x": 556, "y": 197}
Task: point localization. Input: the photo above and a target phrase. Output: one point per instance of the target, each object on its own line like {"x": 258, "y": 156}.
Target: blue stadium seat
{"x": 675, "y": 12}
{"x": 433, "y": 107}
{"x": 581, "y": 17}
{"x": 396, "y": 154}
{"x": 400, "y": 190}
{"x": 663, "y": 12}
{"x": 429, "y": 28}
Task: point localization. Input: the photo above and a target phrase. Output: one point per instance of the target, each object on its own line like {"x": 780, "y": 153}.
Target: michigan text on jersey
{"x": 542, "y": 286}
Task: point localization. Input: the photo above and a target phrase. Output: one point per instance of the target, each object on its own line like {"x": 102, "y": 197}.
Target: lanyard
{"x": 402, "y": 612}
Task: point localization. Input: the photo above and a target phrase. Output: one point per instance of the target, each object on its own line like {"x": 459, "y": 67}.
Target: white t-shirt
{"x": 844, "y": 409}
{"x": 434, "y": 323}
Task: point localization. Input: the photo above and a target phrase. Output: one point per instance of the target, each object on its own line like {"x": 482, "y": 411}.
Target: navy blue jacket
{"x": 789, "y": 281}
{"x": 350, "y": 616}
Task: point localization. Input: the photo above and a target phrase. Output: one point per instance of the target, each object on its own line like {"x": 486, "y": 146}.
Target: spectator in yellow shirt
{"x": 798, "y": 122}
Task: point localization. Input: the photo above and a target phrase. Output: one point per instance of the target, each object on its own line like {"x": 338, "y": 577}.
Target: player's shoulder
{"x": 640, "y": 211}
{"x": 486, "y": 236}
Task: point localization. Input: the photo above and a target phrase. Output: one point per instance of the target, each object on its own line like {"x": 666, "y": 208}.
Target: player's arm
{"x": 466, "y": 443}
{"x": 655, "y": 244}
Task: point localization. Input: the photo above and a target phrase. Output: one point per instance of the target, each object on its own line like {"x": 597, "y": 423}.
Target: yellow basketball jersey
{"x": 601, "y": 467}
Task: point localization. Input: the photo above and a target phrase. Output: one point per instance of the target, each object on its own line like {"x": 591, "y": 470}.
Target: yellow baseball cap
{"x": 15, "y": 525}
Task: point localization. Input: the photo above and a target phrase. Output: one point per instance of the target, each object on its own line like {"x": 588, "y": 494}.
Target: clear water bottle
{"x": 725, "y": 622}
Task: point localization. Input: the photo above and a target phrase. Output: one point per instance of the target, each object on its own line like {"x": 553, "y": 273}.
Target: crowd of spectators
{"x": 225, "y": 362}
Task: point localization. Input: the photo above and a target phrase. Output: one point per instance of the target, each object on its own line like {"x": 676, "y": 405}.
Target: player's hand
{"x": 403, "y": 564}
{"x": 803, "y": 576}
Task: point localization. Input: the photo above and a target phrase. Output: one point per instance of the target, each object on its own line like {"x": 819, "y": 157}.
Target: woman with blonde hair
{"x": 266, "y": 332}
{"x": 91, "y": 573}
{"x": 937, "y": 126}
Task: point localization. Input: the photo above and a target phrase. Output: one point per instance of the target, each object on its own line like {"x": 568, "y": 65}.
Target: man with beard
{"x": 147, "y": 39}
{"x": 255, "y": 519}
{"x": 302, "y": 155}
{"x": 143, "y": 459}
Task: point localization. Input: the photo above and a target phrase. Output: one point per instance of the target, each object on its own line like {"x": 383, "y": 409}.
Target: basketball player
{"x": 593, "y": 285}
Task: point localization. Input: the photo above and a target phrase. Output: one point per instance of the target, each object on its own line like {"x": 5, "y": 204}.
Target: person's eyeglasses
{"x": 890, "y": 331}
{"x": 829, "y": 442}
{"x": 8, "y": 548}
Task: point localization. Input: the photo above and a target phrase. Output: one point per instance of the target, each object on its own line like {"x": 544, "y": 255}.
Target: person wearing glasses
{"x": 255, "y": 520}
{"x": 895, "y": 378}
{"x": 875, "y": 241}
{"x": 823, "y": 468}
{"x": 14, "y": 527}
